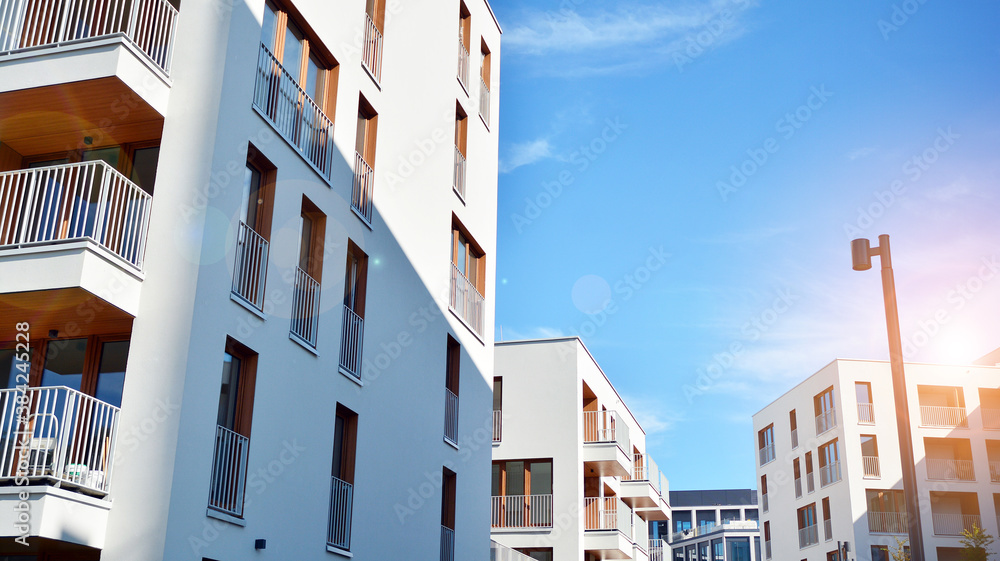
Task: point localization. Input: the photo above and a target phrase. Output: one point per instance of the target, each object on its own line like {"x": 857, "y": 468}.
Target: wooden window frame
{"x": 268, "y": 178}
{"x": 368, "y": 134}
{"x": 361, "y": 284}
{"x": 349, "y": 445}
{"x": 91, "y": 361}
{"x": 527, "y": 472}
{"x": 487, "y": 63}
{"x": 453, "y": 365}
{"x": 465, "y": 25}
{"x": 317, "y": 239}
{"x": 471, "y": 249}
{"x": 247, "y": 385}
{"x": 375, "y": 9}
{"x": 449, "y": 489}
{"x": 461, "y": 130}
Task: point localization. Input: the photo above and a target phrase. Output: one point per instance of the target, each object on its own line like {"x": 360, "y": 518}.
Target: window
{"x": 364, "y": 160}
{"x": 866, "y": 411}
{"x": 810, "y": 483}
{"x": 308, "y": 274}
{"x": 461, "y": 141}
{"x": 869, "y": 456}
{"x": 497, "y": 408}
{"x": 682, "y": 520}
{"x": 793, "y": 426}
{"x": 703, "y": 551}
{"x": 305, "y": 60}
{"x": 448, "y": 490}
{"x": 371, "y": 56}
{"x": 765, "y": 441}
{"x": 464, "y": 41}
{"x": 235, "y": 415}
{"x": 826, "y": 417}
{"x": 522, "y": 493}
{"x": 537, "y": 553}
{"x": 763, "y": 492}
{"x": 705, "y": 520}
{"x": 829, "y": 463}
{"x": 880, "y": 553}
{"x": 250, "y": 270}
{"x": 797, "y": 474}
{"x": 718, "y": 550}
{"x": 807, "y": 526}
{"x": 468, "y": 258}
{"x": 484, "y": 85}
{"x": 452, "y": 360}
{"x": 468, "y": 279}
{"x": 739, "y": 549}
{"x": 767, "y": 539}
{"x": 366, "y": 133}
{"x": 345, "y": 436}
{"x": 827, "y": 521}
{"x": 832, "y": 555}
{"x": 355, "y": 282}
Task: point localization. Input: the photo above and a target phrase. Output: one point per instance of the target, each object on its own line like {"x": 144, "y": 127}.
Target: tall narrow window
{"x": 345, "y": 435}
{"x": 869, "y": 456}
{"x": 826, "y": 417}
{"x": 461, "y": 143}
{"x": 252, "y": 245}
{"x": 763, "y": 492}
{"x": 355, "y": 282}
{"x": 797, "y": 474}
{"x": 453, "y": 358}
{"x": 827, "y": 522}
{"x": 364, "y": 160}
{"x": 308, "y": 274}
{"x": 765, "y": 443}
{"x": 829, "y": 463}
{"x": 448, "y": 492}
{"x": 371, "y": 57}
{"x": 484, "y": 83}
{"x": 464, "y": 42}
{"x": 810, "y": 483}
{"x": 468, "y": 279}
{"x": 794, "y": 426}
{"x": 866, "y": 411}
{"x": 232, "y": 436}
{"x": 497, "y": 409}
{"x": 767, "y": 539}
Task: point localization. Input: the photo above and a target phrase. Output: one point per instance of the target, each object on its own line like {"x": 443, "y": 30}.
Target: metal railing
{"x": 305, "y": 307}
{"x": 467, "y": 302}
{"x": 229, "y": 471}
{"x": 351, "y": 342}
{"x": 293, "y": 113}
{"x": 766, "y": 453}
{"x": 991, "y": 418}
{"x": 656, "y": 551}
{"x": 83, "y": 201}
{"x": 798, "y": 487}
{"x": 484, "y": 101}
{"x": 871, "y": 465}
{"x": 497, "y": 425}
{"x": 149, "y": 24}
{"x": 363, "y": 188}
{"x": 825, "y": 421}
{"x": 829, "y": 474}
{"x": 827, "y": 529}
{"x": 795, "y": 438}
{"x": 866, "y": 414}
{"x": 994, "y": 471}
{"x": 503, "y": 553}
{"x": 936, "y": 416}
{"x": 808, "y": 536}
{"x": 450, "y": 416}
{"x": 645, "y": 469}
{"x": 950, "y": 470}
{"x": 955, "y": 524}
{"x": 605, "y": 426}
{"x": 60, "y": 434}
{"x": 459, "y": 179}
{"x": 608, "y": 513}
{"x": 521, "y": 511}
{"x": 341, "y": 506}
{"x": 463, "y": 63}
{"x": 810, "y": 482}
{"x": 447, "y": 544}
{"x": 767, "y": 549}
{"x": 371, "y": 56}
{"x": 887, "y": 522}
{"x": 763, "y": 501}
{"x": 250, "y": 273}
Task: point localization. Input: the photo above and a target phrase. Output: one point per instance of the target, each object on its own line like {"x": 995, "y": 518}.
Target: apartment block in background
{"x": 244, "y": 302}
{"x": 828, "y": 466}
{"x": 718, "y": 524}
{"x": 571, "y": 476}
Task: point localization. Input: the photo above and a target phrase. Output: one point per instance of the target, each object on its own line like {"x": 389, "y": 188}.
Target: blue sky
{"x": 680, "y": 183}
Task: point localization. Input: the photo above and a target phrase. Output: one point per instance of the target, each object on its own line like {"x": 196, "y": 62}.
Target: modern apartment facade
{"x": 247, "y": 257}
{"x": 717, "y": 524}
{"x": 571, "y": 476}
{"x": 828, "y": 465}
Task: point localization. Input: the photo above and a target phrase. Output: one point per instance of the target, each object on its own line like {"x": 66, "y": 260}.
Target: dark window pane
{"x": 7, "y": 371}
{"x": 541, "y": 478}
{"x": 64, "y": 359}
{"x": 229, "y": 392}
{"x": 144, "y": 162}
{"x": 111, "y": 373}
{"x": 515, "y": 478}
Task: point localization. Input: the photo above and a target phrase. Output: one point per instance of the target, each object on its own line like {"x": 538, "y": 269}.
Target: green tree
{"x": 975, "y": 543}
{"x": 901, "y": 552}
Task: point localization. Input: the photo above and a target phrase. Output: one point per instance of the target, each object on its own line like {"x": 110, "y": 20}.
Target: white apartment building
{"x": 247, "y": 257}
{"x": 828, "y": 465}
{"x": 716, "y": 524}
{"x": 571, "y": 477}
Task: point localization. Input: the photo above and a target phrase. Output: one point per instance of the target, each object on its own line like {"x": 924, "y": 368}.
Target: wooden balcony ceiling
{"x": 73, "y": 311}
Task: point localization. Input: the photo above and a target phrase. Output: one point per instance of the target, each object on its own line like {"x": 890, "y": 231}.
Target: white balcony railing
{"x": 351, "y": 339}
{"x": 950, "y": 470}
{"x": 608, "y": 513}
{"x": 866, "y": 414}
{"x": 229, "y": 471}
{"x": 991, "y": 418}
{"x": 293, "y": 113}
{"x": 829, "y": 474}
{"x": 955, "y": 524}
{"x": 872, "y": 467}
{"x": 447, "y": 544}
{"x": 810, "y": 482}
{"x": 798, "y": 487}
{"x": 521, "y": 511}
{"x": 250, "y": 273}
{"x": 484, "y": 101}
{"x": 84, "y": 201}
{"x": 766, "y": 453}
{"x": 363, "y": 188}
{"x": 767, "y": 549}
{"x": 450, "y": 416}
{"x": 497, "y": 425}
{"x": 62, "y": 434}
{"x": 459, "y": 180}
{"x": 808, "y": 536}
{"x": 500, "y": 552}
{"x": 463, "y": 63}
{"x": 371, "y": 57}
{"x": 825, "y": 421}
{"x": 605, "y": 426}
{"x": 467, "y": 302}
{"x": 763, "y": 501}
{"x": 149, "y": 24}
{"x": 656, "y": 551}
{"x": 645, "y": 469}
{"x": 994, "y": 471}
{"x": 935, "y": 416}
{"x": 305, "y": 307}
{"x": 341, "y": 506}
{"x": 887, "y": 522}
{"x": 827, "y": 529}
{"x": 795, "y": 438}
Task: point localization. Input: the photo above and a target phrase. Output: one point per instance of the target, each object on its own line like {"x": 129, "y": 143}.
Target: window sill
{"x": 449, "y": 442}
{"x": 337, "y": 551}
{"x": 485, "y": 124}
{"x": 219, "y": 515}
{"x": 250, "y": 307}
{"x": 351, "y": 377}
{"x": 302, "y": 343}
{"x": 464, "y": 87}
{"x": 364, "y": 220}
{"x": 467, "y": 326}
{"x": 372, "y": 76}
{"x": 459, "y": 195}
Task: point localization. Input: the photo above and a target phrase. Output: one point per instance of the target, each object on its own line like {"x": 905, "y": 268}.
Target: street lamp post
{"x": 861, "y": 254}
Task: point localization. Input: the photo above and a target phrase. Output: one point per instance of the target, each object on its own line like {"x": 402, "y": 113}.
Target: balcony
{"x": 947, "y": 417}
{"x": 606, "y": 444}
{"x": 497, "y": 425}
{"x": 286, "y": 106}
{"x": 521, "y": 511}
{"x": 608, "y": 528}
{"x": 450, "y": 417}
{"x": 484, "y": 101}
{"x": 829, "y": 474}
{"x": 950, "y": 470}
{"x": 656, "y": 551}
{"x": 463, "y": 63}
{"x": 766, "y": 454}
{"x": 250, "y": 270}
{"x": 641, "y": 488}
{"x": 825, "y": 421}
{"x": 503, "y": 553}
{"x": 866, "y": 414}
{"x": 351, "y": 339}
{"x": 363, "y": 188}
{"x": 447, "y": 544}
{"x": 955, "y": 524}
{"x": 706, "y": 528}
{"x": 305, "y": 308}
{"x": 887, "y": 522}
{"x": 229, "y": 472}
{"x": 661, "y": 510}
{"x": 808, "y": 536}
{"x": 872, "y": 469}
{"x": 459, "y": 180}
{"x": 467, "y": 303}
{"x": 371, "y": 57}
{"x": 341, "y": 504}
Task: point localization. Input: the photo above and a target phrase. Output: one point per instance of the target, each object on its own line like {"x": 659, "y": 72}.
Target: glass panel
{"x": 351, "y": 282}
{"x": 292, "y": 59}
{"x": 498, "y": 394}
{"x": 313, "y": 81}
{"x": 305, "y": 243}
{"x": 46, "y": 163}
{"x": 108, "y": 155}
{"x": 461, "y": 254}
{"x": 541, "y": 478}
{"x": 880, "y": 553}
{"x": 7, "y": 371}
{"x": 338, "y": 447}
{"x": 541, "y": 555}
{"x": 64, "y": 361}
{"x": 751, "y": 514}
{"x": 229, "y": 392}
{"x": 515, "y": 478}
{"x": 863, "y": 392}
{"x": 495, "y": 484}
{"x": 267, "y": 32}
{"x": 359, "y": 146}
{"x": 111, "y": 372}
{"x": 252, "y": 200}
{"x": 144, "y": 167}
{"x": 868, "y": 447}
{"x": 730, "y": 515}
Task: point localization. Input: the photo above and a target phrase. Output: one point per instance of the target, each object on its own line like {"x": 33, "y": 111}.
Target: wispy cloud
{"x": 653, "y": 416}
{"x": 525, "y": 153}
{"x": 540, "y": 332}
{"x": 862, "y": 152}
{"x": 948, "y": 193}
{"x": 753, "y": 235}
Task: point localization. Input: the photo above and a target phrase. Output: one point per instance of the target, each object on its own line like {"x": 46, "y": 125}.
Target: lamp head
{"x": 861, "y": 256}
